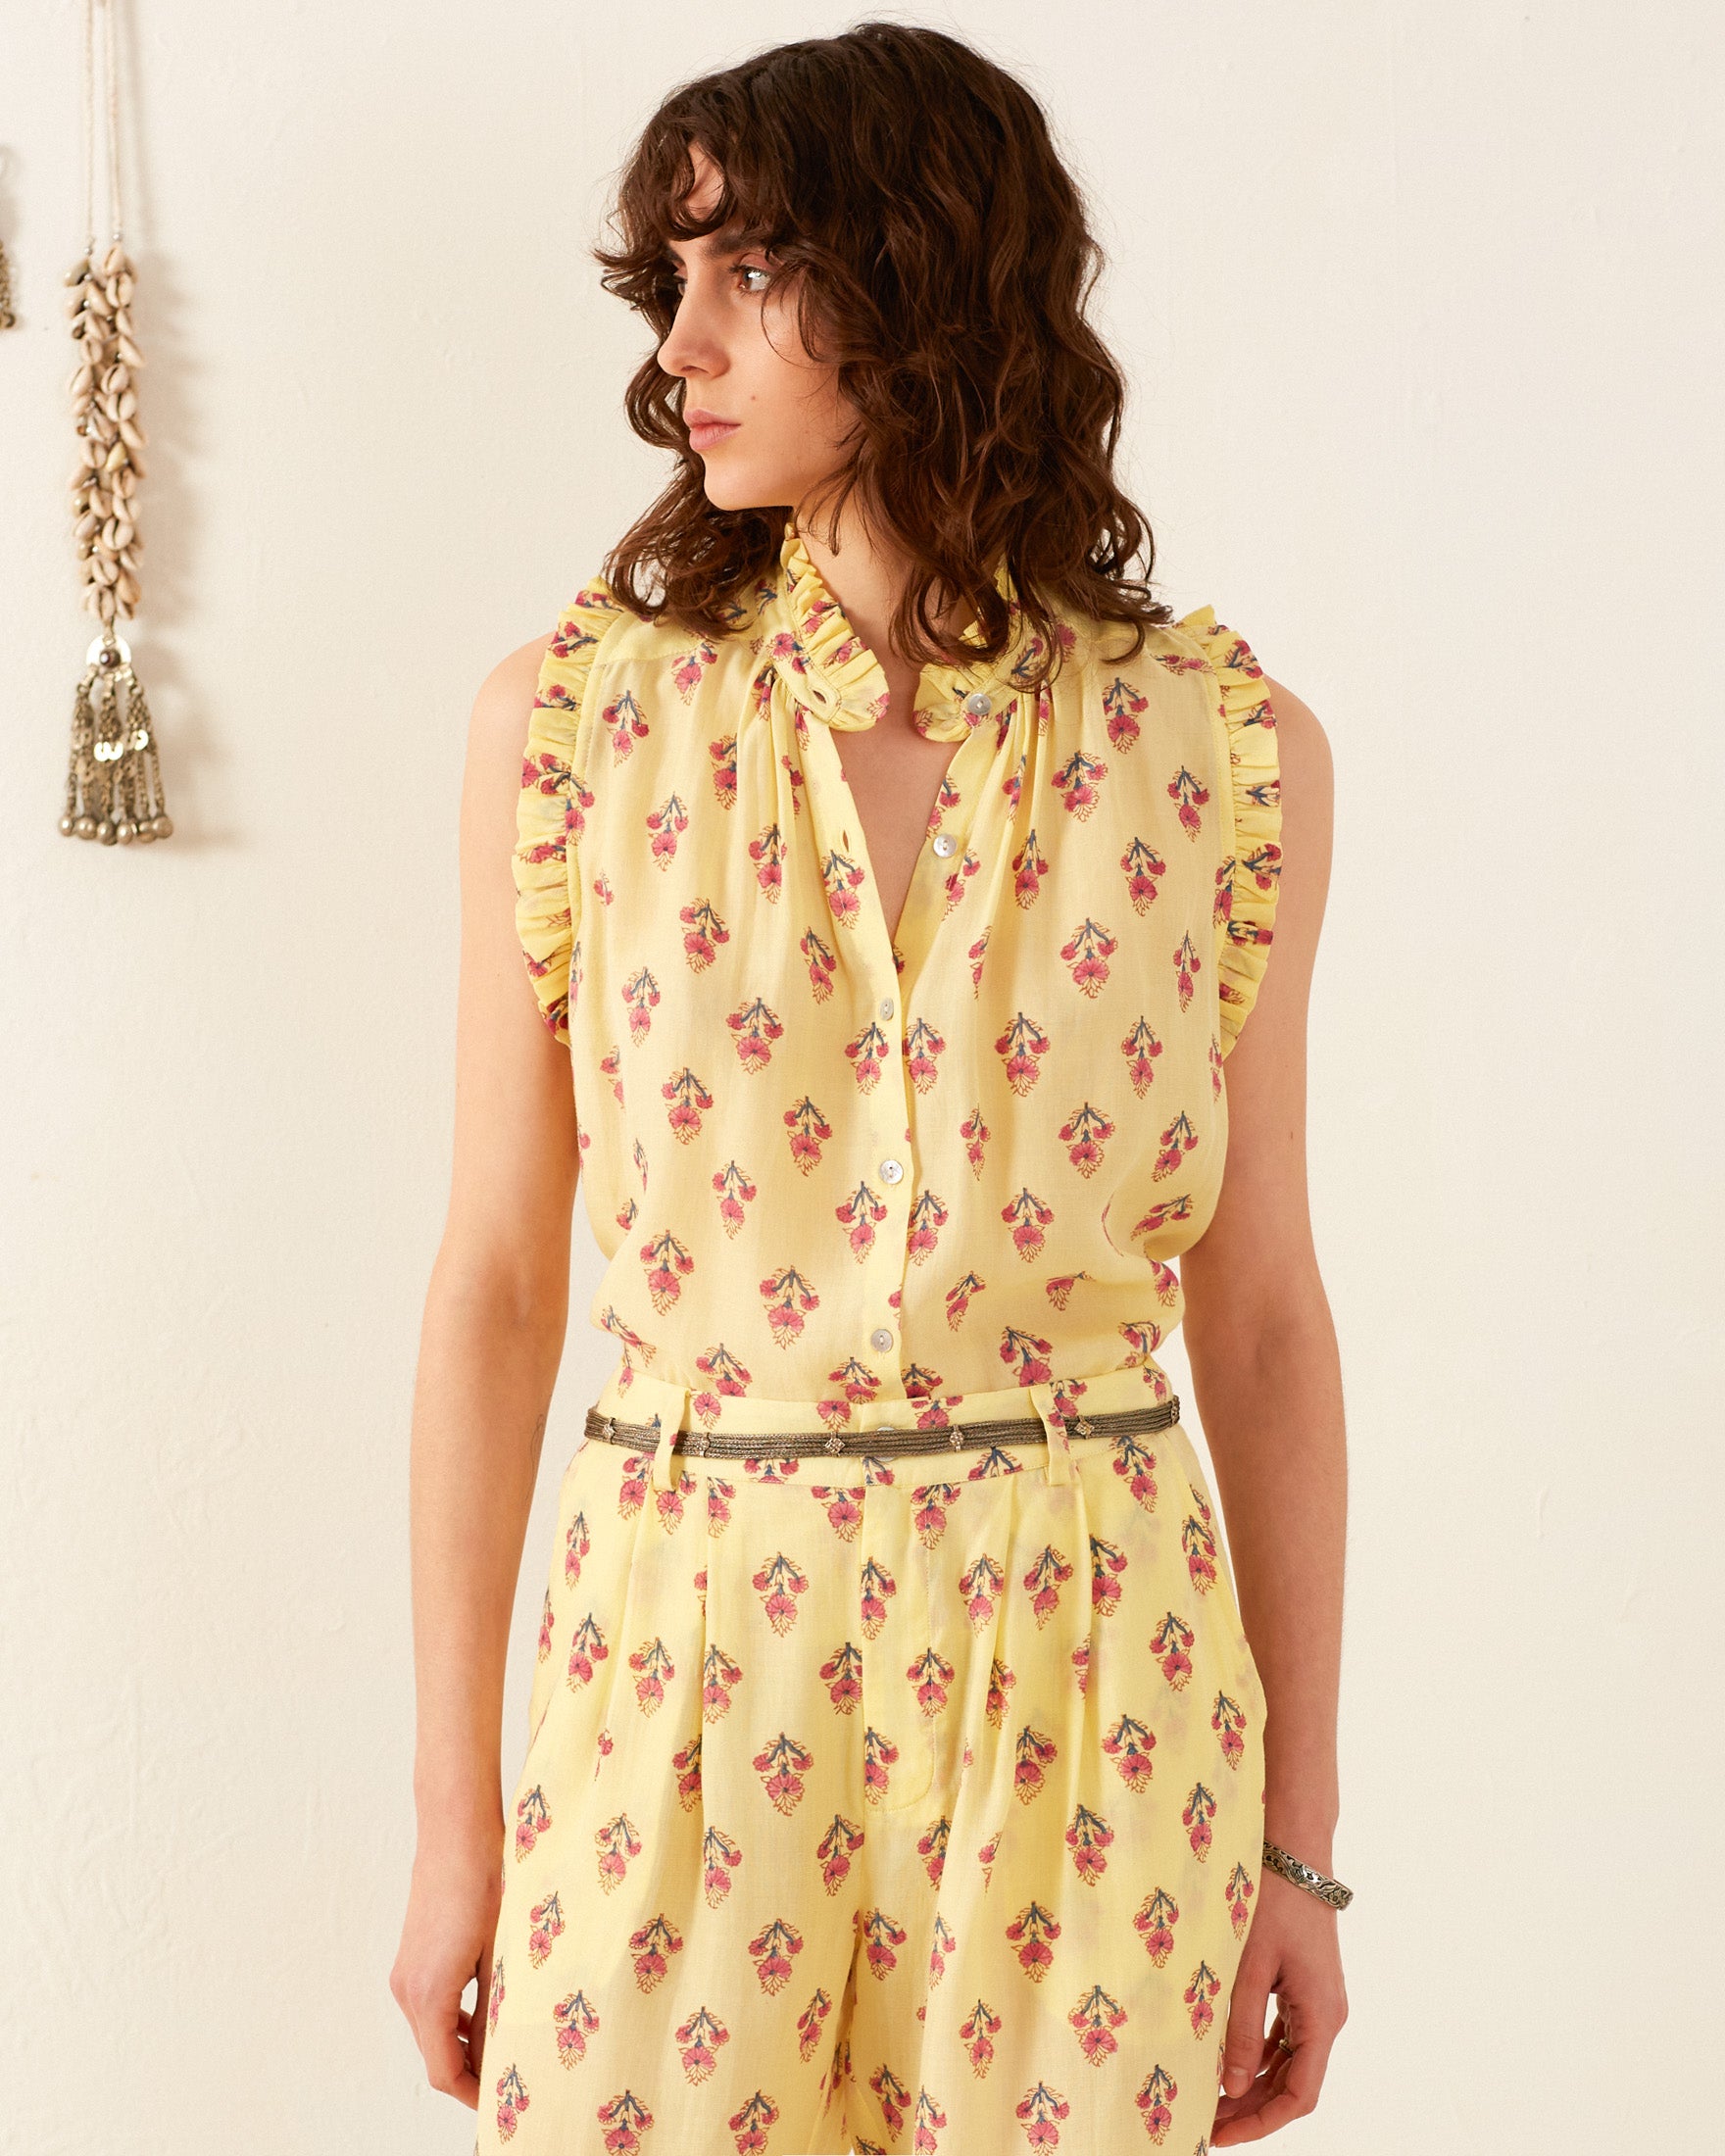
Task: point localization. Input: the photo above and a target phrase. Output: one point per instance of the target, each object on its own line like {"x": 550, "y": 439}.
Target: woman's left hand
{"x": 1292, "y": 1950}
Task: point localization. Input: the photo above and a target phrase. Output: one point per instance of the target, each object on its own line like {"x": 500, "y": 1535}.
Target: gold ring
{"x": 1285, "y": 2045}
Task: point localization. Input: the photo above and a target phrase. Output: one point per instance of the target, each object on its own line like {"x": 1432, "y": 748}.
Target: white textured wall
{"x": 1421, "y": 303}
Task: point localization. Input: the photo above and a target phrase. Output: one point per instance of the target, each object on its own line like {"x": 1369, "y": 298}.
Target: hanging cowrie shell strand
{"x": 111, "y": 442}
{"x": 114, "y": 779}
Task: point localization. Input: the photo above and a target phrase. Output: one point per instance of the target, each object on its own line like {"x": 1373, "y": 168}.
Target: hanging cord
{"x": 113, "y": 72}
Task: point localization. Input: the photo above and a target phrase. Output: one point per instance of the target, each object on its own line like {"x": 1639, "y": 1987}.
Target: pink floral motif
{"x": 698, "y": 2041}
{"x": 1029, "y": 869}
{"x": 977, "y": 2032}
{"x": 1080, "y": 781}
{"x": 687, "y": 1100}
{"x": 808, "y": 1132}
{"x": 810, "y": 2023}
{"x": 1129, "y": 1743}
{"x": 788, "y": 1298}
{"x": 924, "y": 1046}
{"x": 976, "y": 1133}
{"x": 835, "y": 1852}
{"x": 1029, "y": 1217}
{"x": 667, "y": 825}
{"x": 1089, "y": 1837}
{"x": 755, "y": 1028}
{"x": 782, "y": 1763}
{"x": 723, "y": 755}
{"x": 778, "y": 1582}
{"x": 1033, "y": 1931}
{"x": 625, "y": 2119}
{"x": 1086, "y": 951}
{"x": 719, "y": 1678}
{"x": 766, "y": 850}
{"x": 1094, "y": 2021}
{"x": 574, "y": 2020}
{"x": 843, "y": 878}
{"x": 651, "y": 1946}
{"x": 1200, "y": 1997}
{"x": 546, "y": 1923}
{"x": 1124, "y": 706}
{"x": 822, "y": 963}
{"x": 1036, "y": 1752}
{"x": 1020, "y": 1048}
{"x": 618, "y": 1845}
{"x": 1190, "y": 796}
{"x": 774, "y": 1948}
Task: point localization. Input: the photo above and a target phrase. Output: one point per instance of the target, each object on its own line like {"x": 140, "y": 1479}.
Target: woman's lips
{"x": 704, "y": 437}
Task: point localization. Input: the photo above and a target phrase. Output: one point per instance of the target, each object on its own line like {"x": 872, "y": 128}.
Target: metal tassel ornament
{"x": 113, "y": 780}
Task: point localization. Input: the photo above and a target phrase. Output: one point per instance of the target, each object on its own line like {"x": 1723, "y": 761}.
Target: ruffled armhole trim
{"x": 1248, "y": 878}
{"x": 551, "y": 811}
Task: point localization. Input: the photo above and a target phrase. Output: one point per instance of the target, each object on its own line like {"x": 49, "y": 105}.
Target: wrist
{"x": 450, "y": 1806}
{"x": 1307, "y": 1832}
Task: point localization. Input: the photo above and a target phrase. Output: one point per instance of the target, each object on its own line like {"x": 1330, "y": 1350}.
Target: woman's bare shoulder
{"x": 506, "y": 694}
{"x": 1299, "y": 731}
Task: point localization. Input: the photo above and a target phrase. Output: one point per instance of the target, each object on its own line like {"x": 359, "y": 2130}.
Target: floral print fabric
{"x": 908, "y": 1804}
{"x": 886, "y": 1802}
{"x": 827, "y": 1164}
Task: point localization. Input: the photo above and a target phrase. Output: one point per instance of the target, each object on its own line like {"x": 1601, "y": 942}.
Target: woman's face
{"x": 735, "y": 342}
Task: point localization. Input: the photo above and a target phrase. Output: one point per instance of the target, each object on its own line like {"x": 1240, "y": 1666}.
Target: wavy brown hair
{"x": 941, "y": 260}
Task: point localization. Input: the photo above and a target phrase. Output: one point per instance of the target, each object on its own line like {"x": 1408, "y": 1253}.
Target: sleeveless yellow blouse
{"x": 839, "y": 1174}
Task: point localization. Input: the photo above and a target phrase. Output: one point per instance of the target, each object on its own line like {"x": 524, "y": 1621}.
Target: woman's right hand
{"x": 446, "y": 1941}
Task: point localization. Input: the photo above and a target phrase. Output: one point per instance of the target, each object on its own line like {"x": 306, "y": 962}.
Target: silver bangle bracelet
{"x": 1314, "y": 1881}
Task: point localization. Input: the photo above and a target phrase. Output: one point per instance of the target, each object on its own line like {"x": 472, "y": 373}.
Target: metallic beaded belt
{"x": 885, "y": 1442}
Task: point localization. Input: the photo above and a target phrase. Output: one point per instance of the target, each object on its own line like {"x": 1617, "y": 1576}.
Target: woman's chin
{"x": 750, "y": 484}
{"x": 726, "y": 492}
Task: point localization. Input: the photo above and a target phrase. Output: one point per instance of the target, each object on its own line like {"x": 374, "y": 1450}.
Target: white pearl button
{"x": 880, "y": 1336}
{"x": 944, "y": 844}
{"x": 891, "y": 1170}
{"x": 978, "y": 704}
{"x": 886, "y": 1008}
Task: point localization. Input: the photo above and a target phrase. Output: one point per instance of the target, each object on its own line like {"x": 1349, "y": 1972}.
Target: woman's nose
{"x": 689, "y": 344}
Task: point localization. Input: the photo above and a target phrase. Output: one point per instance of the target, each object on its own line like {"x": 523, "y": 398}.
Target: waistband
{"x": 885, "y": 1442}
{"x": 649, "y": 1413}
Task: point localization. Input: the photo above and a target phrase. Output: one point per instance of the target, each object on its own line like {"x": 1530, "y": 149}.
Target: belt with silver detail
{"x": 887, "y": 1441}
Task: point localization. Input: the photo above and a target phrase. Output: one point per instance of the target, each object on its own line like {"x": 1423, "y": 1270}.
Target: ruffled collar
{"x": 835, "y": 676}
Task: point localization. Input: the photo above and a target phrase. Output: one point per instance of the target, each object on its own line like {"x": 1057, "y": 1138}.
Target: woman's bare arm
{"x": 1266, "y": 1375}
{"x": 490, "y": 1343}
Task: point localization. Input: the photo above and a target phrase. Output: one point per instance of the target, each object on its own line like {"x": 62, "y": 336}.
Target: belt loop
{"x": 1060, "y": 1458}
{"x": 670, "y": 1424}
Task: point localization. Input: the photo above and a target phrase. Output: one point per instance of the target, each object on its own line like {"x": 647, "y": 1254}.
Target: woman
{"x": 900, "y": 1774}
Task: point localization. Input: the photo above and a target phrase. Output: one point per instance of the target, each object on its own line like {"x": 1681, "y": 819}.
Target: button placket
{"x": 924, "y": 905}
{"x": 835, "y": 812}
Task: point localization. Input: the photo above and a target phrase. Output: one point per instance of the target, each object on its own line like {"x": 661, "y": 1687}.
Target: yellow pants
{"x": 889, "y": 1804}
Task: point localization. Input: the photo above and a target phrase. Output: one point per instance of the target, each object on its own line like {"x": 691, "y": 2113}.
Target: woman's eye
{"x": 676, "y": 286}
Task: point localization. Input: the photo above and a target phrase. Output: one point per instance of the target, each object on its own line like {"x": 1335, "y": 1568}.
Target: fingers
{"x": 1285, "y": 2097}
{"x": 1310, "y": 2016}
{"x": 1245, "y": 2051}
{"x": 446, "y": 2064}
{"x": 1268, "y": 2079}
{"x": 445, "y": 2033}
